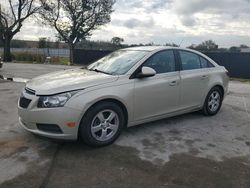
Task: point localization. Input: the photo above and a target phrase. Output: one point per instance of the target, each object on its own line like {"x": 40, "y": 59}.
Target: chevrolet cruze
{"x": 126, "y": 88}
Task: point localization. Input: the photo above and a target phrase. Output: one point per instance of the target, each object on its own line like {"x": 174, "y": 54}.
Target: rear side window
{"x": 189, "y": 60}
{"x": 162, "y": 62}
{"x": 205, "y": 63}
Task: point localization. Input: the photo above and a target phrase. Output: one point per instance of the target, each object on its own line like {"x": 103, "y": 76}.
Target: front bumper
{"x": 31, "y": 117}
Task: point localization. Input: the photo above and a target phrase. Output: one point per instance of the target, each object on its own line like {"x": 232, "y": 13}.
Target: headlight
{"x": 54, "y": 101}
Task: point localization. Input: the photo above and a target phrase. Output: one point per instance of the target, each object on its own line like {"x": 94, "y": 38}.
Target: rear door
{"x": 157, "y": 95}
{"x": 194, "y": 80}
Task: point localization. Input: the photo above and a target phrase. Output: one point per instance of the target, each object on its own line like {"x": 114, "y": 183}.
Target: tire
{"x": 213, "y": 102}
{"x": 100, "y": 128}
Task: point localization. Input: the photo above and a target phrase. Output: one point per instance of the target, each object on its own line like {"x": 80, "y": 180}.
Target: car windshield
{"x": 117, "y": 63}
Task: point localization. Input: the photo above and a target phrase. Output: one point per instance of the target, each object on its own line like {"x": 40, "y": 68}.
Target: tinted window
{"x": 205, "y": 63}
{"x": 210, "y": 64}
{"x": 162, "y": 62}
{"x": 189, "y": 60}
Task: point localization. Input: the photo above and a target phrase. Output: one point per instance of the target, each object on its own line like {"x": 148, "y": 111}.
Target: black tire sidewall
{"x": 85, "y": 126}
{"x": 206, "y": 109}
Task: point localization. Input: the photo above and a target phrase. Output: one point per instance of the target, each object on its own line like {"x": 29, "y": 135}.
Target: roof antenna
{"x": 181, "y": 42}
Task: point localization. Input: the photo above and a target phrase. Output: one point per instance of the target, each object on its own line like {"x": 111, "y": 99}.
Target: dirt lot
{"x": 186, "y": 151}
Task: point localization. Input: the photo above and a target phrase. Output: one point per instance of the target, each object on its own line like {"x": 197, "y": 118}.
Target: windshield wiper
{"x": 100, "y": 71}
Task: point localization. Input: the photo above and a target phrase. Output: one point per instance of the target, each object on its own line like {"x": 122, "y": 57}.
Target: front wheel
{"x": 102, "y": 124}
{"x": 213, "y": 102}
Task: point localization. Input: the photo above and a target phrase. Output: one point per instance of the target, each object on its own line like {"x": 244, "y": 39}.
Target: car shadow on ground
{"x": 134, "y": 129}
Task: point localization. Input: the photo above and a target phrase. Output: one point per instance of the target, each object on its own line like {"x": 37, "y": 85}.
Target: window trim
{"x": 209, "y": 64}
{"x": 199, "y": 56}
{"x": 177, "y": 66}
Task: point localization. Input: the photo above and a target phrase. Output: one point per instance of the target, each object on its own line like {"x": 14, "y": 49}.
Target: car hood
{"x": 68, "y": 80}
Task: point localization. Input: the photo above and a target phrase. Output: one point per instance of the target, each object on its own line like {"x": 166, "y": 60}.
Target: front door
{"x": 158, "y": 95}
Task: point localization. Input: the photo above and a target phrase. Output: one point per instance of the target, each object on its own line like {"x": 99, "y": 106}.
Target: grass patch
{"x": 240, "y": 80}
{"x": 26, "y": 57}
{"x": 59, "y": 60}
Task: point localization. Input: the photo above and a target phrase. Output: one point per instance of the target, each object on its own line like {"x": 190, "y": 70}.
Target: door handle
{"x": 173, "y": 83}
{"x": 204, "y": 77}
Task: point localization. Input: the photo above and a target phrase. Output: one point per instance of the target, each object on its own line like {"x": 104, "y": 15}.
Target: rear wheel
{"x": 213, "y": 102}
{"x": 102, "y": 124}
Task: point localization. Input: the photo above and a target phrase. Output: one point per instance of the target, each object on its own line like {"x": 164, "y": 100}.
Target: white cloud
{"x": 161, "y": 21}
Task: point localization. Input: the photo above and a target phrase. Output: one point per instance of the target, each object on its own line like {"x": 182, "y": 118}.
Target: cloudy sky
{"x": 227, "y": 22}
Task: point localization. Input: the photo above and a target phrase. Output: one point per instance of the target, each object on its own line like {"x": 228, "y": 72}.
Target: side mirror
{"x": 146, "y": 72}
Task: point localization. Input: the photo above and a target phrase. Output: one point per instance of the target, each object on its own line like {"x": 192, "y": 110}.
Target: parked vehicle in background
{"x": 126, "y": 88}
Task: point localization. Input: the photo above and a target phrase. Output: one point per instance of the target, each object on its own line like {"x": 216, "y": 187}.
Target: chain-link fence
{"x": 48, "y": 52}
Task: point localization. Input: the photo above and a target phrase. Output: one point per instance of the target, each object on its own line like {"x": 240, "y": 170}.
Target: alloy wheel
{"x": 214, "y": 101}
{"x": 105, "y": 125}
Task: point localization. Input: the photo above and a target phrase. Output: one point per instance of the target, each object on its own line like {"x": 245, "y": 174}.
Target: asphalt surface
{"x": 185, "y": 151}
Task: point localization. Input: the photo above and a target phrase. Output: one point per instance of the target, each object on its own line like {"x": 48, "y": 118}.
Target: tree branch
{"x": 12, "y": 10}
{"x": 78, "y": 17}
{"x": 5, "y": 20}
{"x": 55, "y": 22}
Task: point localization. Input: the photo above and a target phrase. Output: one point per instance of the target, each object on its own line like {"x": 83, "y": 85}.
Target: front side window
{"x": 162, "y": 62}
{"x": 119, "y": 62}
{"x": 189, "y": 60}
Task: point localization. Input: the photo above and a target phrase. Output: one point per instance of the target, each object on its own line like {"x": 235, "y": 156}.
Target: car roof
{"x": 159, "y": 48}
{"x": 147, "y": 48}
{"x": 155, "y": 48}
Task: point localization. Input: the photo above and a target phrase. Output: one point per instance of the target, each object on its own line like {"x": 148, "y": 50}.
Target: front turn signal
{"x": 71, "y": 124}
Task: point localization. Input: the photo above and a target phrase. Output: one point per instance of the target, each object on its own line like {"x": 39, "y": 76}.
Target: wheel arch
{"x": 205, "y": 110}
{"x": 116, "y": 101}
{"x": 215, "y": 85}
{"x": 220, "y": 87}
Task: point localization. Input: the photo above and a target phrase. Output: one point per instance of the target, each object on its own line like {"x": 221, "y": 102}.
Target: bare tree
{"x": 12, "y": 15}
{"x": 75, "y": 19}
